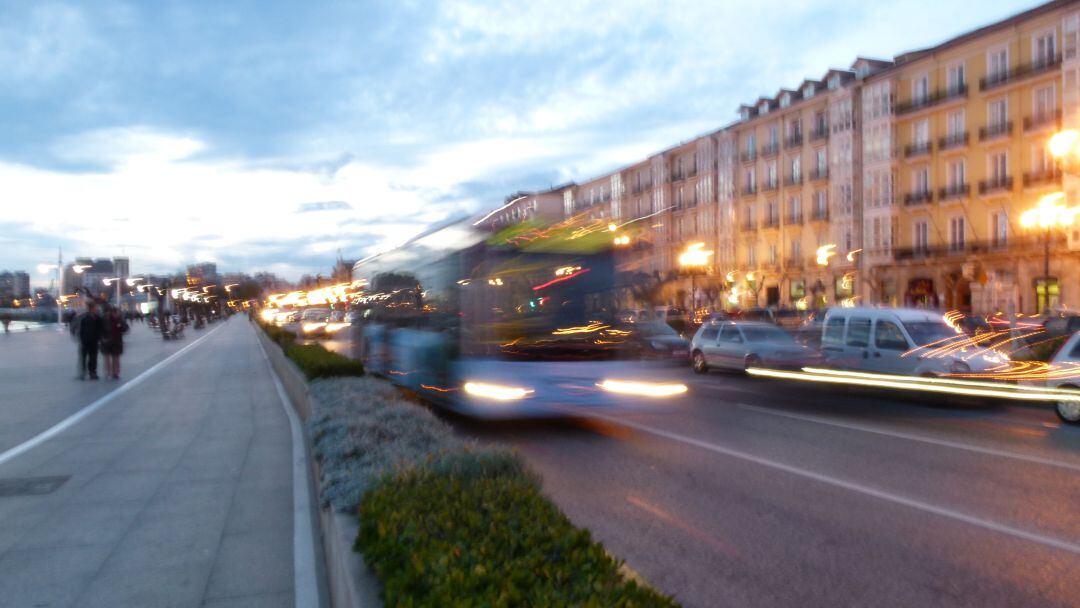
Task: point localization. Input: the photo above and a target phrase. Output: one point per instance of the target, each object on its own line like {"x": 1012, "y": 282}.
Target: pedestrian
{"x": 112, "y": 342}
{"x": 5, "y": 318}
{"x": 88, "y": 329}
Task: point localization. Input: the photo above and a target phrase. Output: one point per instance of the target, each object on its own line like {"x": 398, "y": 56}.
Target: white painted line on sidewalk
{"x": 987, "y": 524}
{"x": 75, "y": 418}
{"x": 305, "y": 577}
{"x": 913, "y": 437}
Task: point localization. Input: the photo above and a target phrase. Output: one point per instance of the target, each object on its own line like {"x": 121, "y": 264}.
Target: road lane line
{"x": 75, "y": 418}
{"x": 305, "y": 575}
{"x": 987, "y": 524}
{"x": 912, "y": 437}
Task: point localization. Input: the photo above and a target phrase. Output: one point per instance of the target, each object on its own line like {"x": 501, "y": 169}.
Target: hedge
{"x": 473, "y": 529}
{"x": 317, "y": 362}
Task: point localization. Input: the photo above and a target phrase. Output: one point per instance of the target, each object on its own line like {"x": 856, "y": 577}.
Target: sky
{"x": 268, "y": 136}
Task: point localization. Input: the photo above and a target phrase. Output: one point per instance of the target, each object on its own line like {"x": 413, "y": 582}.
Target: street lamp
{"x": 694, "y": 259}
{"x": 117, "y": 281}
{"x": 1051, "y": 212}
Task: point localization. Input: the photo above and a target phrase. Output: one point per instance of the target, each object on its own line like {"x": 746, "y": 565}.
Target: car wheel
{"x": 700, "y": 365}
{"x": 752, "y": 361}
{"x": 1069, "y": 409}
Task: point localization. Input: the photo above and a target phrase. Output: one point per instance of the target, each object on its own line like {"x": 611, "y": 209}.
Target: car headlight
{"x": 497, "y": 392}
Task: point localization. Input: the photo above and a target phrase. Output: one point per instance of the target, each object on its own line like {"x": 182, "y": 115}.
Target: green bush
{"x": 283, "y": 337}
{"x": 317, "y": 362}
{"x": 472, "y": 529}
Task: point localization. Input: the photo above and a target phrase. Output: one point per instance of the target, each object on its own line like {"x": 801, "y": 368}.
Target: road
{"x": 762, "y": 493}
{"x": 171, "y": 487}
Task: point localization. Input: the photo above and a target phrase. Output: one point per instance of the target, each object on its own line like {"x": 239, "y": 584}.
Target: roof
{"x": 903, "y": 314}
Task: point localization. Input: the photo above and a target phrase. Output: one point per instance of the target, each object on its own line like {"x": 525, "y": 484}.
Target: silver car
{"x": 740, "y": 345}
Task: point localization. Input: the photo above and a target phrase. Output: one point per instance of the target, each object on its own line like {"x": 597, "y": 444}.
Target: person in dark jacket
{"x": 112, "y": 341}
{"x": 88, "y": 330}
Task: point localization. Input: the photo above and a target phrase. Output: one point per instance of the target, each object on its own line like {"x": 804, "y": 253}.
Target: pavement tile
{"x": 78, "y": 524}
{"x": 47, "y": 577}
{"x": 118, "y": 487}
{"x": 271, "y": 600}
{"x": 253, "y": 563}
{"x": 141, "y": 588}
{"x": 268, "y": 507}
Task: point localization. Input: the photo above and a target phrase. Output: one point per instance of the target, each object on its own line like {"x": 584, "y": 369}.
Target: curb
{"x": 350, "y": 582}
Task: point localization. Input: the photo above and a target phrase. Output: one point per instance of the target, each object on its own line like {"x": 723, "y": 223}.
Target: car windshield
{"x": 756, "y": 333}
{"x": 927, "y": 332}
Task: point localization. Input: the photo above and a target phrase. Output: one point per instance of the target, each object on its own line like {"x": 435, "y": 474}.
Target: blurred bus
{"x": 516, "y": 324}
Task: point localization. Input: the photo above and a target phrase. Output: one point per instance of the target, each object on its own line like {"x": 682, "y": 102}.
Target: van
{"x": 900, "y": 341}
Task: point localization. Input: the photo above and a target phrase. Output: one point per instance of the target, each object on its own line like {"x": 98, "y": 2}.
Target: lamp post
{"x": 694, "y": 259}
{"x": 1050, "y": 213}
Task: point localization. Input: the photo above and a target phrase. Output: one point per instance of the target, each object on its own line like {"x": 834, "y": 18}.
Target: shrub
{"x": 317, "y": 362}
{"x": 281, "y": 336}
{"x": 473, "y": 529}
{"x": 362, "y": 429}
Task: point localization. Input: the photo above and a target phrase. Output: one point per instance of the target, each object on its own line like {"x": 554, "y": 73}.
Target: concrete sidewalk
{"x": 176, "y": 493}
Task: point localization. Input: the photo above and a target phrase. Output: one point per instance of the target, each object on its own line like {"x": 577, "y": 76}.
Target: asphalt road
{"x": 764, "y": 493}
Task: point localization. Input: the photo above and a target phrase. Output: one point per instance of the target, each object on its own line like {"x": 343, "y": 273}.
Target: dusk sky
{"x": 267, "y": 136}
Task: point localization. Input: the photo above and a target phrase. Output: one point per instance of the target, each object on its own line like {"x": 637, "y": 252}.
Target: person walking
{"x": 5, "y": 318}
{"x": 88, "y": 329}
{"x": 112, "y": 341}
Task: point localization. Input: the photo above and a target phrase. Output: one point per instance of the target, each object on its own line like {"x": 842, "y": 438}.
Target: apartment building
{"x": 954, "y": 151}
{"x": 542, "y": 206}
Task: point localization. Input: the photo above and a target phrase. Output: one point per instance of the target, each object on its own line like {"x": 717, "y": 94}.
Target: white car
{"x": 740, "y": 345}
{"x": 902, "y": 341}
{"x": 1065, "y": 373}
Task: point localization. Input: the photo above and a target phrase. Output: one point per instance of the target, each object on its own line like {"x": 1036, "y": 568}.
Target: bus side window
{"x": 834, "y": 330}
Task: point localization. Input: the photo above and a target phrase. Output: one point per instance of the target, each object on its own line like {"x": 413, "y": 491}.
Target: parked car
{"x": 655, "y": 340}
{"x": 899, "y": 341}
{"x": 313, "y": 321}
{"x": 1068, "y": 356}
{"x": 740, "y": 345}
{"x": 1062, "y": 324}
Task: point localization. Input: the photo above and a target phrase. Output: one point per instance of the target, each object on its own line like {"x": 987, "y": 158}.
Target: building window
{"x": 999, "y": 166}
{"x": 999, "y": 229}
{"x": 770, "y": 174}
{"x": 821, "y": 163}
{"x": 955, "y": 79}
{"x": 920, "y": 132}
{"x": 955, "y": 123}
{"x": 774, "y": 256}
{"x": 956, "y": 233}
{"x": 921, "y": 236}
{"x": 796, "y": 250}
{"x": 1043, "y": 50}
{"x": 1044, "y": 104}
{"x": 997, "y": 64}
{"x": 751, "y": 255}
{"x": 920, "y": 180}
{"x": 1041, "y": 160}
{"x": 795, "y": 208}
{"x": 772, "y": 213}
{"x": 796, "y": 168}
{"x": 956, "y": 174}
{"x": 920, "y": 89}
{"x": 821, "y": 205}
{"x": 774, "y": 136}
{"x": 998, "y": 112}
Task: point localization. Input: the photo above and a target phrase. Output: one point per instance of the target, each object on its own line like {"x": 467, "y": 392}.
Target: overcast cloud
{"x": 268, "y": 136}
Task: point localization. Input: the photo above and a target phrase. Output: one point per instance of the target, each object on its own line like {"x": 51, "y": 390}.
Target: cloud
{"x": 323, "y": 206}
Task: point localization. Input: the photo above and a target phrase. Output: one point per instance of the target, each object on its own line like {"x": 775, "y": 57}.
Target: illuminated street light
{"x": 695, "y": 259}
{"x": 133, "y": 280}
{"x": 1064, "y": 143}
{"x": 1051, "y": 212}
{"x": 851, "y": 254}
{"x": 824, "y": 253}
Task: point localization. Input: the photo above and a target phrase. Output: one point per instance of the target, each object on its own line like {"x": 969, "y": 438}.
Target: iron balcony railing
{"x": 1036, "y": 178}
{"x": 995, "y": 183}
{"x": 793, "y": 140}
{"x": 954, "y": 191}
{"x": 1034, "y": 68}
{"x": 918, "y": 149}
{"x": 931, "y": 99}
{"x": 1043, "y": 119}
{"x": 991, "y": 131}
{"x": 918, "y": 197}
{"x": 953, "y": 140}
{"x": 770, "y": 149}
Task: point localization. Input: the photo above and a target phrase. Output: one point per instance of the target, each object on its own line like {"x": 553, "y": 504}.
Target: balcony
{"x": 819, "y": 173}
{"x": 794, "y": 218}
{"x": 1039, "y": 178}
{"x": 749, "y": 156}
{"x": 954, "y": 191}
{"x": 995, "y": 184}
{"x": 772, "y": 222}
{"x": 918, "y": 198}
{"x": 963, "y": 249}
{"x": 819, "y": 214}
{"x": 954, "y": 140}
{"x": 918, "y": 149}
{"x": 820, "y": 132}
{"x": 932, "y": 99}
{"x": 793, "y": 180}
{"x": 793, "y": 141}
{"x": 1039, "y": 66}
{"x": 770, "y": 149}
{"x": 749, "y": 226}
{"x": 1042, "y": 120}
{"x": 768, "y": 185}
{"x": 749, "y": 189}
{"x": 794, "y": 263}
{"x": 1001, "y": 129}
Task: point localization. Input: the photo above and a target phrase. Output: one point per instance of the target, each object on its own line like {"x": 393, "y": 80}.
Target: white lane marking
{"x": 75, "y": 418}
{"x": 850, "y": 485}
{"x": 305, "y": 578}
{"x": 913, "y": 437}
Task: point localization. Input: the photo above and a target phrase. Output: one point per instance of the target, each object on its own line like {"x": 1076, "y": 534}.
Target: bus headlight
{"x": 643, "y": 389}
{"x": 497, "y": 392}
